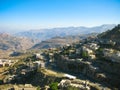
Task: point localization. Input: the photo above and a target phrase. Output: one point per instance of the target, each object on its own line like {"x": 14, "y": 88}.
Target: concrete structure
{"x": 39, "y": 56}
{"x": 69, "y": 76}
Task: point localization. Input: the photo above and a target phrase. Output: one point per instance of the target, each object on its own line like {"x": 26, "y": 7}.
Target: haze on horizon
{"x": 37, "y": 14}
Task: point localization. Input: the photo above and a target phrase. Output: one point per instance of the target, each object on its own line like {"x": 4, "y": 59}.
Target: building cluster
{"x": 24, "y": 71}
{"x": 6, "y": 62}
{"x": 74, "y": 58}
{"x": 112, "y": 55}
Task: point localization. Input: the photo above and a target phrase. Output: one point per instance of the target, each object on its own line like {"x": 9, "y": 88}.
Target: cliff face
{"x": 75, "y": 66}
{"x": 104, "y": 72}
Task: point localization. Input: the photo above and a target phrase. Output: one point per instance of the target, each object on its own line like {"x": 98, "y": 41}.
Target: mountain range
{"x": 46, "y": 38}
{"x": 44, "y": 34}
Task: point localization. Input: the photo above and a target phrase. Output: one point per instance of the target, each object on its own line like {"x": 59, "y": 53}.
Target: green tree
{"x": 84, "y": 54}
{"x": 38, "y": 88}
{"x": 54, "y": 86}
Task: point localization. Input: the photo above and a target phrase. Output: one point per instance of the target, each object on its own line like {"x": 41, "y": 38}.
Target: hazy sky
{"x": 34, "y": 14}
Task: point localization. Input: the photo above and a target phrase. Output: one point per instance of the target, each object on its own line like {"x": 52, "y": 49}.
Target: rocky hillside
{"x": 9, "y": 42}
{"x": 92, "y": 59}
{"x": 61, "y": 41}
{"x": 54, "y": 42}
{"x": 113, "y": 34}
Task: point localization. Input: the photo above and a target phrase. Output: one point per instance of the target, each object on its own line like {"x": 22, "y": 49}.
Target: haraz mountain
{"x": 44, "y": 34}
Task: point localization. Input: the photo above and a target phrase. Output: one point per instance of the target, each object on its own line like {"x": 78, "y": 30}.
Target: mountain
{"x": 61, "y": 41}
{"x": 9, "y": 42}
{"x": 44, "y": 34}
{"x": 113, "y": 35}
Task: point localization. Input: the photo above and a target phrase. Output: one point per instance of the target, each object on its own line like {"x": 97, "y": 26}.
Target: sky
{"x": 37, "y": 14}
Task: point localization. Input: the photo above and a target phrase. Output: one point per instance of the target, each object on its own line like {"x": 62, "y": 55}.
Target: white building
{"x": 6, "y": 62}
{"x": 69, "y": 76}
{"x": 39, "y": 64}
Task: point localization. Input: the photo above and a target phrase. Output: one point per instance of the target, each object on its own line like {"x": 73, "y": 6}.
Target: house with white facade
{"x": 112, "y": 55}
{"x": 6, "y": 62}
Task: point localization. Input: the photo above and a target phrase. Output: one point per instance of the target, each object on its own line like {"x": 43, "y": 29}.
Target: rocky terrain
{"x": 92, "y": 58}
{"x": 112, "y": 35}
{"x": 57, "y": 42}
{"x": 9, "y": 42}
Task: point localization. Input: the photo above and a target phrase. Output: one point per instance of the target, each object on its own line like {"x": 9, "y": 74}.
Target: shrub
{"x": 84, "y": 55}
{"x": 54, "y": 86}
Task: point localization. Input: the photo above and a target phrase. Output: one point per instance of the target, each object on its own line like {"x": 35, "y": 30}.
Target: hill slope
{"x": 113, "y": 34}
{"x": 8, "y": 42}
{"x": 54, "y": 42}
{"x": 61, "y": 41}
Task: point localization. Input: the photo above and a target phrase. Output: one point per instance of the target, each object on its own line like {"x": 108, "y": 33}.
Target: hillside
{"x": 113, "y": 34}
{"x": 44, "y": 34}
{"x": 61, "y": 41}
{"x": 9, "y": 42}
{"x": 54, "y": 42}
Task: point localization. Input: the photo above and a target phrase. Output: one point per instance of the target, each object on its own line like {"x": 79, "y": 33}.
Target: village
{"x": 69, "y": 64}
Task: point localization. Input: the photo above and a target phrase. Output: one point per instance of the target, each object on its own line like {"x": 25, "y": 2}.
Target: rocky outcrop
{"x": 106, "y": 73}
{"x": 76, "y": 66}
